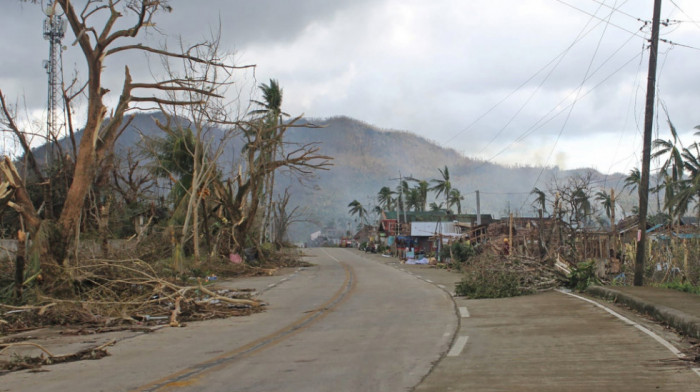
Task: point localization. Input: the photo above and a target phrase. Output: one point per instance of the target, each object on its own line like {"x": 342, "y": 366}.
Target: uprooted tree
{"x": 99, "y": 39}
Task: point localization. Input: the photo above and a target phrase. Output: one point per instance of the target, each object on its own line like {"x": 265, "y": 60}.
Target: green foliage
{"x": 685, "y": 287}
{"x": 460, "y": 251}
{"x": 176, "y": 158}
{"x": 583, "y": 275}
{"x": 486, "y": 278}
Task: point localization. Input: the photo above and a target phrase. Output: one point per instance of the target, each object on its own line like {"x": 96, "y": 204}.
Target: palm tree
{"x": 384, "y": 197}
{"x": 435, "y": 207}
{"x": 271, "y": 105}
{"x": 455, "y": 198}
{"x": 674, "y": 159}
{"x": 633, "y": 180}
{"x": 413, "y": 199}
{"x": 271, "y": 113}
{"x": 540, "y": 199}
{"x": 581, "y": 205}
{"x": 442, "y": 185}
{"x": 423, "y": 188}
{"x": 356, "y": 208}
{"x": 606, "y": 201}
{"x": 690, "y": 187}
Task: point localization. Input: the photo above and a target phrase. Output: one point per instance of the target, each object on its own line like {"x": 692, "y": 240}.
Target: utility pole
{"x": 478, "y": 209}
{"x": 613, "y": 228}
{"x": 646, "y": 152}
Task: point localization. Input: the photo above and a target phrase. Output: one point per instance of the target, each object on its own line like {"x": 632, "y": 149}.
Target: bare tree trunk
{"x": 19, "y": 263}
{"x": 103, "y": 227}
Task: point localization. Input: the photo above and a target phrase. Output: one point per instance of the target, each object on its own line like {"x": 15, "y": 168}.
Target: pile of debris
{"x": 495, "y": 275}
{"x": 127, "y": 293}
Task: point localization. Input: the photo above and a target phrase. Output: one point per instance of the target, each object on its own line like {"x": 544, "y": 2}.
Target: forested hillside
{"x": 366, "y": 158}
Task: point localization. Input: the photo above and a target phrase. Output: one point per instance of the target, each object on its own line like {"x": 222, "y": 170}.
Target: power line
{"x": 543, "y": 120}
{"x": 635, "y": 33}
{"x": 684, "y": 13}
{"x": 617, "y": 10}
{"x": 559, "y": 57}
{"x": 573, "y": 104}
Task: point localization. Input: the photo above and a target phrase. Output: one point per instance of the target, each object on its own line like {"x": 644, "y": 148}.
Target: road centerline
{"x": 192, "y": 374}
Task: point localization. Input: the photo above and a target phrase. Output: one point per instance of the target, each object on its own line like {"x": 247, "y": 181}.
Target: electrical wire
{"x": 573, "y": 104}
{"x": 599, "y": 18}
{"x": 544, "y": 120}
{"x": 558, "y": 57}
{"x": 691, "y": 20}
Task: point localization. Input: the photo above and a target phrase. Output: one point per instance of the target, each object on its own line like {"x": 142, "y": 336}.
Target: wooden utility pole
{"x": 613, "y": 228}
{"x": 646, "y": 152}
{"x": 510, "y": 234}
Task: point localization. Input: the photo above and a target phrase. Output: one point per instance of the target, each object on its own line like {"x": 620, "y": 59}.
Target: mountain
{"x": 367, "y": 158}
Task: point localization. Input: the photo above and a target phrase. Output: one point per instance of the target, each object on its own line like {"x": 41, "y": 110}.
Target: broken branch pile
{"x": 127, "y": 292}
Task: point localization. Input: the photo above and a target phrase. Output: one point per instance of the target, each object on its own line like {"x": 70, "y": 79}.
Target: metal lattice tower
{"x": 54, "y": 30}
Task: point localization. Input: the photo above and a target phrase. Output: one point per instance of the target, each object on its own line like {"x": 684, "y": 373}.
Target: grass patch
{"x": 685, "y": 287}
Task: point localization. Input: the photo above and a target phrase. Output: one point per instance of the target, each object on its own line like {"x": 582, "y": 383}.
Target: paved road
{"x": 357, "y": 322}
{"x": 346, "y": 324}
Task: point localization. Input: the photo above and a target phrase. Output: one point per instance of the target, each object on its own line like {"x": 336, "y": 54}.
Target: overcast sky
{"x": 529, "y": 82}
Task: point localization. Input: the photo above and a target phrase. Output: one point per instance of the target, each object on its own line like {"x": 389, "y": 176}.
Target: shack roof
{"x": 442, "y": 216}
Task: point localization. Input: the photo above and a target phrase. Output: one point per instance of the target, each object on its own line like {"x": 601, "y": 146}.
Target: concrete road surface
{"x": 357, "y": 322}
{"x": 346, "y": 324}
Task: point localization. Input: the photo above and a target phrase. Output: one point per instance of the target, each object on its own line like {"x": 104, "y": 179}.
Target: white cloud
{"x": 436, "y": 67}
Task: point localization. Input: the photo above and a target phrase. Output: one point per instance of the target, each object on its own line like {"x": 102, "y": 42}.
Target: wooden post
{"x": 510, "y": 234}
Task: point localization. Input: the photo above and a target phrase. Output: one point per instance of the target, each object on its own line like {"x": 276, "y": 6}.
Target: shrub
{"x": 583, "y": 275}
{"x": 458, "y": 251}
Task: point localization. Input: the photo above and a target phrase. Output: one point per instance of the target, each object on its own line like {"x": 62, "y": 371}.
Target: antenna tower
{"x": 54, "y": 31}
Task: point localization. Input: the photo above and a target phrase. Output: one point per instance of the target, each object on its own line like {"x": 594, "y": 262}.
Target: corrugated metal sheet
{"x": 429, "y": 229}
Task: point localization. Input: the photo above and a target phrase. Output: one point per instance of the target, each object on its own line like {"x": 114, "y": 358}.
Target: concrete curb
{"x": 683, "y": 322}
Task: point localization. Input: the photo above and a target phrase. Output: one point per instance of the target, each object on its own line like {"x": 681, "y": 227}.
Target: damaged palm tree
{"x": 238, "y": 199}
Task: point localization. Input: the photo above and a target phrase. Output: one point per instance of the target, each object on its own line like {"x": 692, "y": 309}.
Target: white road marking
{"x": 429, "y": 281}
{"x": 458, "y": 346}
{"x": 697, "y": 370}
{"x": 272, "y": 285}
{"x": 442, "y": 286}
{"x": 463, "y": 311}
{"x": 656, "y": 337}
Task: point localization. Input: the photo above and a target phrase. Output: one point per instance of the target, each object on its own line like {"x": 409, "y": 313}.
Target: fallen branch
{"x": 236, "y": 301}
{"x": 175, "y": 313}
{"x": 40, "y": 347}
{"x": 40, "y": 308}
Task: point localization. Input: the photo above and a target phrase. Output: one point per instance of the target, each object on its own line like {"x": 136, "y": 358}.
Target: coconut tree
{"x": 423, "y": 188}
{"x": 435, "y": 206}
{"x": 455, "y": 199}
{"x": 442, "y": 185}
{"x": 633, "y": 180}
{"x": 271, "y": 113}
{"x": 606, "y": 201}
{"x": 385, "y": 199}
{"x": 540, "y": 199}
{"x": 356, "y": 208}
{"x": 689, "y": 187}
